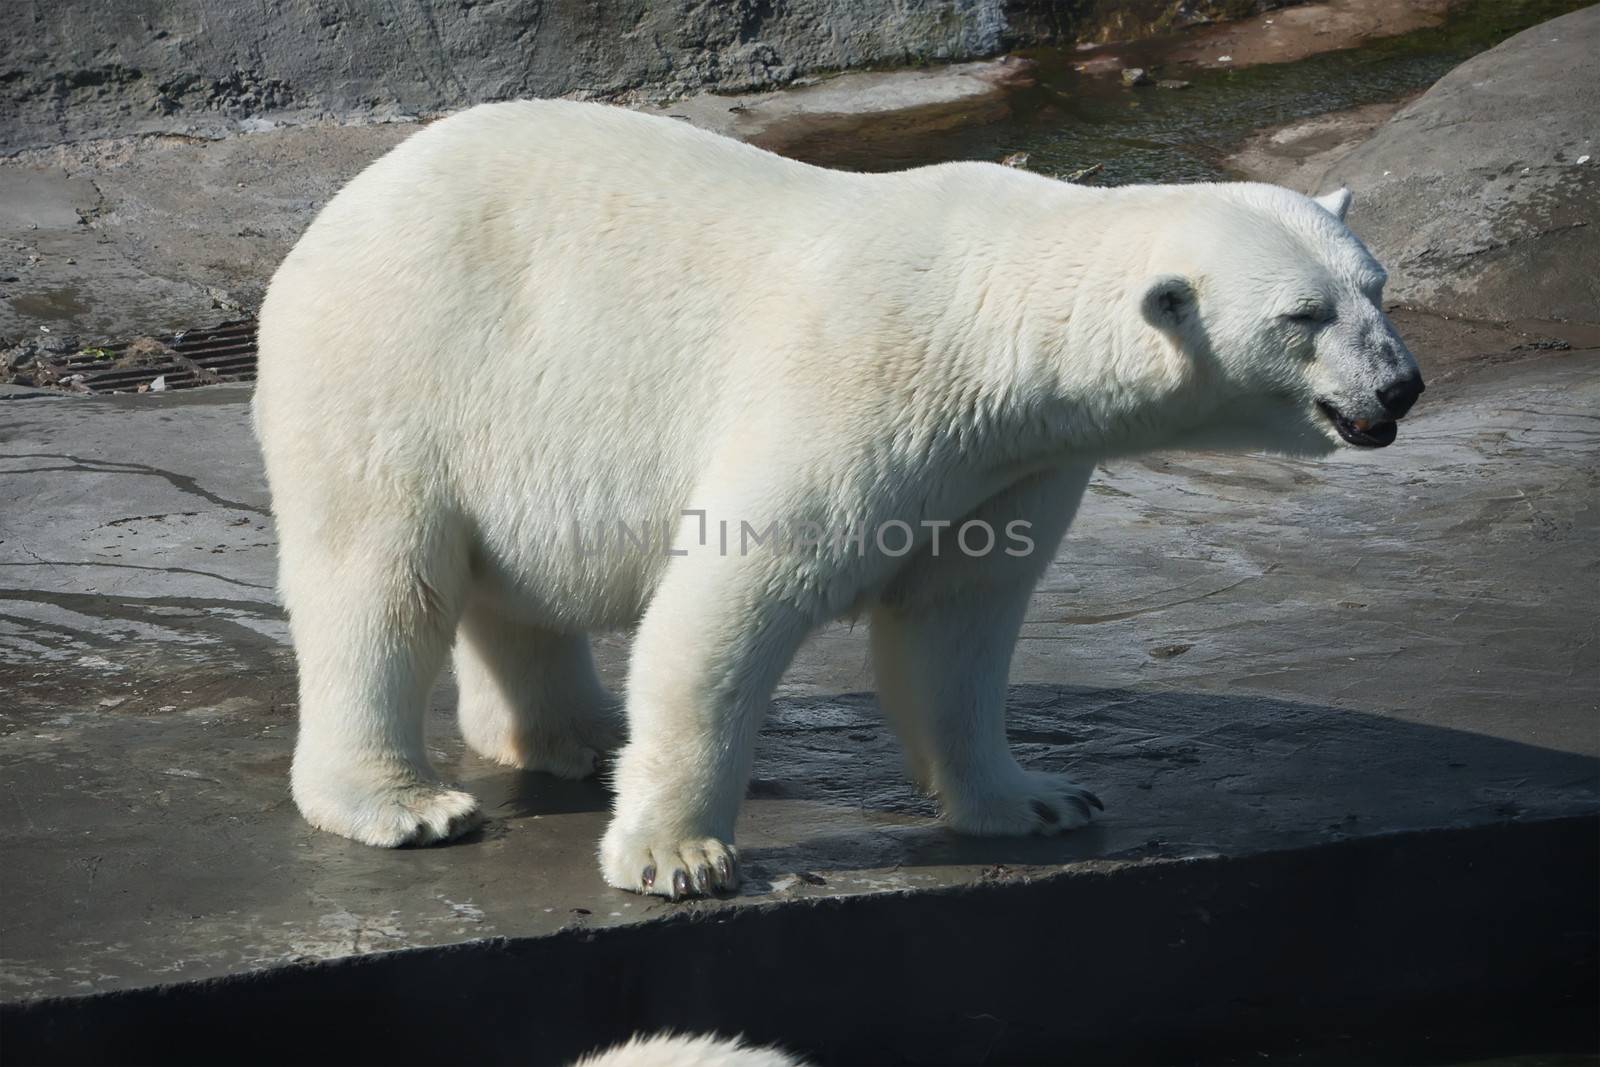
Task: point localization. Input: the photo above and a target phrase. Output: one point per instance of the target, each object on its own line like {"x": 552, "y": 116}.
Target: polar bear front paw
{"x": 389, "y": 815}
{"x": 1035, "y": 802}
{"x": 674, "y": 869}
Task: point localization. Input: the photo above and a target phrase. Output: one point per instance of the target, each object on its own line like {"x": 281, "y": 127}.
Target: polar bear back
{"x": 515, "y": 230}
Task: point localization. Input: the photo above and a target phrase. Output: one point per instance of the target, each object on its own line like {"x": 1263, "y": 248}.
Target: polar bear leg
{"x": 371, "y": 627}
{"x": 530, "y": 698}
{"x": 709, "y": 650}
{"x": 942, "y": 639}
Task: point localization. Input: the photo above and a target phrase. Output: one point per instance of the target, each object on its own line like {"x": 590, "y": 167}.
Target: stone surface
{"x": 1240, "y": 654}
{"x": 954, "y": 94}
{"x": 115, "y": 239}
{"x": 1299, "y": 154}
{"x": 1473, "y": 196}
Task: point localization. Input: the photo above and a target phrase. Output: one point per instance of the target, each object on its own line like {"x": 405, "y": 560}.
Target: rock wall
{"x": 1482, "y": 197}
{"x": 76, "y": 69}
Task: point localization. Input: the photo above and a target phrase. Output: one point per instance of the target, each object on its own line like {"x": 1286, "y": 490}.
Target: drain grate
{"x": 225, "y": 353}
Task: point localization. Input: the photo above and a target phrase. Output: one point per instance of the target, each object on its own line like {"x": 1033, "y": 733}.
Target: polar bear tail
{"x": 704, "y": 1050}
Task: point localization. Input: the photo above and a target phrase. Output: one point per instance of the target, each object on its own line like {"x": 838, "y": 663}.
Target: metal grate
{"x": 225, "y": 353}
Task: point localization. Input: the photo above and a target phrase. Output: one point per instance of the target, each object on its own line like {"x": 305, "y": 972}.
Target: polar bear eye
{"x": 1310, "y": 315}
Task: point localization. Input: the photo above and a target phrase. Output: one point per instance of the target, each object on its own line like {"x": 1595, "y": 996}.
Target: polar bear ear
{"x": 1336, "y": 203}
{"x": 1168, "y": 302}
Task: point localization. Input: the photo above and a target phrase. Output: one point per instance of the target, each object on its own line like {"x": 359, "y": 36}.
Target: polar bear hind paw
{"x": 671, "y": 869}
{"x": 1035, "y": 803}
{"x": 564, "y": 758}
{"x": 572, "y": 745}
{"x": 395, "y": 816}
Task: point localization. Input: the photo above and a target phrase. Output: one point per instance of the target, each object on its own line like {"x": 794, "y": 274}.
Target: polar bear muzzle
{"x": 1397, "y": 397}
{"x": 1361, "y": 433}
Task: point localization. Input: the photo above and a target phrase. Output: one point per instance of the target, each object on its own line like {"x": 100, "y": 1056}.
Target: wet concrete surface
{"x": 1242, "y": 655}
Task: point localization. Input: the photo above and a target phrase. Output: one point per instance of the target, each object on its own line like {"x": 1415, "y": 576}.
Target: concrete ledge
{"x": 1415, "y": 947}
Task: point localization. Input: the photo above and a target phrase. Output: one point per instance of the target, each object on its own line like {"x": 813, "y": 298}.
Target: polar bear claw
{"x": 668, "y": 868}
{"x": 393, "y": 815}
{"x": 1037, "y": 802}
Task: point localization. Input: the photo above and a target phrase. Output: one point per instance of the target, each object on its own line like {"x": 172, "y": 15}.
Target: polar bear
{"x": 536, "y": 324}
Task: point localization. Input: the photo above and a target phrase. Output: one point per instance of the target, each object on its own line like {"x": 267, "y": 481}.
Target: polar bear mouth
{"x": 1360, "y": 434}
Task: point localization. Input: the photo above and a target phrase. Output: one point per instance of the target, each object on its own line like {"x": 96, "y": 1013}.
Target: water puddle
{"x": 53, "y": 305}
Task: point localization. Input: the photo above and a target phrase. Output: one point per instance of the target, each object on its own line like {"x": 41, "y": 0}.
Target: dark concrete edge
{"x": 1418, "y": 946}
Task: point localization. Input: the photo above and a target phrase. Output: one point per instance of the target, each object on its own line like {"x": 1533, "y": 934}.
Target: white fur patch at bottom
{"x": 703, "y": 1050}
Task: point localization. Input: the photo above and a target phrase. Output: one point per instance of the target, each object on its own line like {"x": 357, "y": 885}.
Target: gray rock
{"x": 153, "y": 256}
{"x": 1473, "y": 196}
{"x": 1135, "y": 76}
{"x": 1173, "y": 83}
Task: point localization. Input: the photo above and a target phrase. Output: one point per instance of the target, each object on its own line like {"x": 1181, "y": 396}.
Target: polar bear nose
{"x": 1398, "y": 396}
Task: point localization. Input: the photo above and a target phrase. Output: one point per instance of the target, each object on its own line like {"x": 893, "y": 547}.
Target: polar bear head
{"x": 1279, "y": 308}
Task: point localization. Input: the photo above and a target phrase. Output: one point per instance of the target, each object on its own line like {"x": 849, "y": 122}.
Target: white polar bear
{"x": 535, "y": 324}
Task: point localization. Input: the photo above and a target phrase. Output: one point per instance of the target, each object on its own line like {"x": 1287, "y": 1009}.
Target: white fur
{"x": 667, "y": 1050}
{"x": 540, "y": 312}
{"x": 1336, "y": 203}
